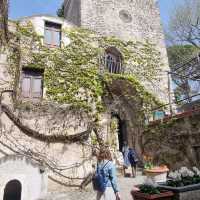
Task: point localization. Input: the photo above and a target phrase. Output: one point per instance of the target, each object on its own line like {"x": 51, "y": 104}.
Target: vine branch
{"x": 45, "y": 138}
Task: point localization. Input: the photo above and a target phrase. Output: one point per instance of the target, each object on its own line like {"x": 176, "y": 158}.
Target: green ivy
{"x": 72, "y": 72}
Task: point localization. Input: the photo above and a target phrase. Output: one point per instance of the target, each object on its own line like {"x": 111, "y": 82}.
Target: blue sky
{"x": 19, "y": 8}
{"x": 166, "y": 8}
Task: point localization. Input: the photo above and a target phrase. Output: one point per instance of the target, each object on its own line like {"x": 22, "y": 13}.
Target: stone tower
{"x": 125, "y": 19}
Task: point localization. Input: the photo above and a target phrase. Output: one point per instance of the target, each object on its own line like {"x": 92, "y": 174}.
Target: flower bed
{"x": 147, "y": 192}
{"x": 184, "y": 183}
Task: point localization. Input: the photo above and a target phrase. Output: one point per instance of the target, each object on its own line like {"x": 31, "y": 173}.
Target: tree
{"x": 3, "y": 20}
{"x": 178, "y": 54}
{"x": 60, "y": 11}
{"x": 184, "y": 25}
{"x": 184, "y": 35}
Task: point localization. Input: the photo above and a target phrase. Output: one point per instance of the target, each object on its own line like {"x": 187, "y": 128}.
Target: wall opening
{"x": 12, "y": 190}
{"x": 113, "y": 60}
{"x": 122, "y": 131}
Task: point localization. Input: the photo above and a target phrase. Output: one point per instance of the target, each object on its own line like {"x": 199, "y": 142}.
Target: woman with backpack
{"x": 133, "y": 159}
{"x": 105, "y": 180}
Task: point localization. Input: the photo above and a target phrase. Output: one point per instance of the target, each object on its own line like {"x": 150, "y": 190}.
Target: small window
{"x": 32, "y": 86}
{"x": 52, "y": 34}
{"x": 113, "y": 60}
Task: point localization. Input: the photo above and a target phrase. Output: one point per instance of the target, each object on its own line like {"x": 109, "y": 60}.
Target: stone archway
{"x": 12, "y": 190}
{"x": 125, "y": 101}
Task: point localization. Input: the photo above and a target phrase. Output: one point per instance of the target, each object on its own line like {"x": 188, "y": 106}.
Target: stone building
{"x": 22, "y": 176}
{"x": 128, "y": 20}
{"x": 45, "y": 139}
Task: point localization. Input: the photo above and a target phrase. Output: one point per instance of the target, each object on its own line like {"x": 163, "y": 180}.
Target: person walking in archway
{"x": 133, "y": 159}
{"x": 125, "y": 151}
{"x": 130, "y": 159}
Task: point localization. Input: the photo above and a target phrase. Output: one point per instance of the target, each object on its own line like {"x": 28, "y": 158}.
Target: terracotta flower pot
{"x": 158, "y": 174}
{"x": 165, "y": 195}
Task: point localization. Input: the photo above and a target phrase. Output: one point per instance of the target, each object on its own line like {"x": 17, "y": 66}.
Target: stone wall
{"x": 125, "y": 19}
{"x": 175, "y": 142}
{"x": 191, "y": 195}
{"x": 3, "y": 72}
{"x": 33, "y": 181}
{"x": 72, "y": 160}
{"x": 73, "y": 14}
{"x": 135, "y": 20}
{"x": 5, "y": 78}
{"x": 38, "y": 22}
{"x": 47, "y": 121}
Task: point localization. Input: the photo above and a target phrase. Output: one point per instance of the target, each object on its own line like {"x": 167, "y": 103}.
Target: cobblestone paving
{"x": 125, "y": 187}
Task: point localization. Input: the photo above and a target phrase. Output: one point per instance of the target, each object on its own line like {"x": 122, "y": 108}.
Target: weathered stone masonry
{"x": 67, "y": 163}
{"x": 174, "y": 142}
{"x": 137, "y": 20}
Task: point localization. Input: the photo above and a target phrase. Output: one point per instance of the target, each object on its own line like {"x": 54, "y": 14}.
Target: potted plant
{"x": 147, "y": 192}
{"x": 185, "y": 183}
{"x": 156, "y": 173}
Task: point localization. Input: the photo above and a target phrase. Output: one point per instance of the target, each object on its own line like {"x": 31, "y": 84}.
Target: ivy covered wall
{"x": 174, "y": 142}
{"x": 77, "y": 95}
{"x": 71, "y": 73}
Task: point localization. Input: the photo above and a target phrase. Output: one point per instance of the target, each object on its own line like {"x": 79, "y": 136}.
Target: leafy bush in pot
{"x": 149, "y": 189}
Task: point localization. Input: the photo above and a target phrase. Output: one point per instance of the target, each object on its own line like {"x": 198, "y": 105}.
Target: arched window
{"x": 113, "y": 60}
{"x": 12, "y": 190}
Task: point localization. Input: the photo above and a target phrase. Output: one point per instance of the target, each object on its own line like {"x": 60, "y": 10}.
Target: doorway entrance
{"x": 122, "y": 131}
{"x": 12, "y": 190}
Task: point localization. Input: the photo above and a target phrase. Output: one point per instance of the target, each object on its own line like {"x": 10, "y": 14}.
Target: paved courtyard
{"x": 125, "y": 187}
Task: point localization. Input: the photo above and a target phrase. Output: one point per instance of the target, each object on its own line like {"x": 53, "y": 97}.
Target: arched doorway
{"x": 121, "y": 129}
{"x": 12, "y": 190}
{"x": 122, "y": 133}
